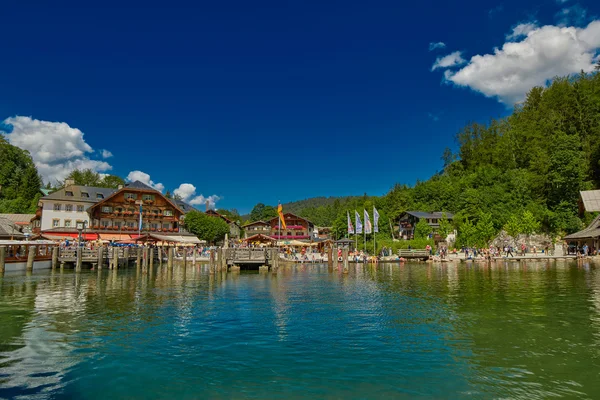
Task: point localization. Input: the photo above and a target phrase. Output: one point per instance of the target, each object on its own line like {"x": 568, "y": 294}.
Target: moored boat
{"x": 16, "y": 253}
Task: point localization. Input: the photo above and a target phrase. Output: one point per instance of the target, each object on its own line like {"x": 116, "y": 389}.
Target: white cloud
{"x": 55, "y": 147}
{"x": 187, "y": 192}
{"x": 450, "y": 60}
{"x": 522, "y": 30}
{"x": 106, "y": 154}
{"x": 144, "y": 178}
{"x": 436, "y": 45}
{"x": 574, "y": 15}
{"x": 546, "y": 52}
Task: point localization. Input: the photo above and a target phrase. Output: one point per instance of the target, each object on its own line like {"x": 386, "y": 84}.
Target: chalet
{"x": 234, "y": 226}
{"x": 256, "y": 228}
{"x": 409, "y": 219}
{"x": 22, "y": 221}
{"x": 121, "y": 211}
{"x": 296, "y": 228}
{"x": 9, "y": 230}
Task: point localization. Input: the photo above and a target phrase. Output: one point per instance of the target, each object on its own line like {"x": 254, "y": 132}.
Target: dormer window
{"x": 85, "y": 194}
{"x": 99, "y": 196}
{"x": 69, "y": 193}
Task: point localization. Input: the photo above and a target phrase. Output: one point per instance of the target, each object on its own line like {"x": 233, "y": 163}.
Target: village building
{"x": 297, "y": 228}
{"x": 22, "y": 221}
{"x": 234, "y": 226}
{"x": 65, "y": 207}
{"x": 323, "y": 232}
{"x": 589, "y": 201}
{"x": 9, "y": 230}
{"x": 409, "y": 219}
{"x": 121, "y": 211}
{"x": 256, "y": 228}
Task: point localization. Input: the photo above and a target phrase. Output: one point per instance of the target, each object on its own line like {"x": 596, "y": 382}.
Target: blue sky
{"x": 266, "y": 101}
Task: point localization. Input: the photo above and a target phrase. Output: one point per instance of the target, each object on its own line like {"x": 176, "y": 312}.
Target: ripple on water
{"x": 389, "y": 331}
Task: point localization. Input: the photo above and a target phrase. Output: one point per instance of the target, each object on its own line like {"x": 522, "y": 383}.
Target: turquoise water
{"x": 419, "y": 330}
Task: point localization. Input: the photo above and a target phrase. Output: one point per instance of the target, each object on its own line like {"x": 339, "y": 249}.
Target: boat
{"x": 17, "y": 251}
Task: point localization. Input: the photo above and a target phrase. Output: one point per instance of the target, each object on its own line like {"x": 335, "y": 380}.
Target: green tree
{"x": 467, "y": 233}
{"x": 211, "y": 229}
{"x": 485, "y": 230}
{"x": 512, "y": 227}
{"x": 422, "y": 229}
{"x": 84, "y": 177}
{"x": 19, "y": 181}
{"x": 261, "y": 212}
{"x": 529, "y": 224}
{"x": 111, "y": 181}
{"x": 445, "y": 226}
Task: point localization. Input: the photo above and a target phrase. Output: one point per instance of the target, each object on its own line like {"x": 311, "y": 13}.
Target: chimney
{"x": 207, "y": 205}
{"x": 119, "y": 187}
{"x": 69, "y": 182}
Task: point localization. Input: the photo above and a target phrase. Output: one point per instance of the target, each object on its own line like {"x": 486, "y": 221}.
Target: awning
{"x": 114, "y": 236}
{"x": 69, "y": 235}
{"x": 171, "y": 239}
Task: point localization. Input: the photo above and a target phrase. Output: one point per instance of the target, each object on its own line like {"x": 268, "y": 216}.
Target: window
{"x": 130, "y": 196}
{"x": 148, "y": 197}
{"x": 117, "y": 224}
{"x": 79, "y": 208}
{"x": 155, "y": 226}
{"x": 55, "y": 223}
{"x": 168, "y": 213}
{"x": 85, "y": 194}
{"x": 57, "y": 207}
{"x": 69, "y": 193}
{"x": 99, "y": 196}
{"x": 69, "y": 207}
{"x": 131, "y": 224}
{"x": 166, "y": 226}
{"x": 106, "y": 209}
{"x": 67, "y": 223}
{"x": 105, "y": 223}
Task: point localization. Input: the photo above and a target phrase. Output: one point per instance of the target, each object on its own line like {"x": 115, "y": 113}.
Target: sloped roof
{"x": 591, "y": 200}
{"x": 256, "y": 223}
{"x": 591, "y": 231}
{"x": 185, "y": 207}
{"x": 18, "y": 218}
{"x": 10, "y": 229}
{"x": 435, "y": 214}
{"x": 293, "y": 215}
{"x": 92, "y": 191}
{"x": 139, "y": 185}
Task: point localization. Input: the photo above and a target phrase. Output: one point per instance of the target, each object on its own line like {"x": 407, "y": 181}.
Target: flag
{"x": 358, "y": 223}
{"x": 140, "y": 221}
{"x": 350, "y": 226}
{"x": 368, "y": 226}
{"x": 375, "y": 220}
{"x": 281, "y": 219}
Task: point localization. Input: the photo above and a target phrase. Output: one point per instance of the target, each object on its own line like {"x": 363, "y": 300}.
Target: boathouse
{"x": 589, "y": 201}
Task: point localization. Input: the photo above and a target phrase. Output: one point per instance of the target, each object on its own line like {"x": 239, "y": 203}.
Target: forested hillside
{"x": 531, "y": 163}
{"x": 19, "y": 180}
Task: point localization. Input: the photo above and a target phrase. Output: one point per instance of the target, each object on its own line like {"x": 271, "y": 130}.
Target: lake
{"x": 510, "y": 330}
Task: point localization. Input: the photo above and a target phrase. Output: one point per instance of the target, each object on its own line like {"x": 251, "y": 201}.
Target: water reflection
{"x": 513, "y": 330}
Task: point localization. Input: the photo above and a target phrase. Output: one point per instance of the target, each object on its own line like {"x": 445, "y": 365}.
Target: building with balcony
{"x": 121, "y": 211}
{"x": 409, "y": 219}
{"x": 297, "y": 228}
{"x": 256, "y": 228}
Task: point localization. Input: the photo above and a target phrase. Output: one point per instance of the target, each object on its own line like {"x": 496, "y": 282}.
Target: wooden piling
{"x": 151, "y": 257}
{"x": 30, "y": 258}
{"x": 194, "y": 256}
{"x": 100, "y": 257}
{"x": 126, "y": 257}
{"x": 2, "y": 259}
{"x": 345, "y": 259}
{"x": 170, "y": 258}
{"x": 211, "y": 261}
{"x": 330, "y": 257}
{"x": 160, "y": 256}
{"x": 115, "y": 258}
{"x": 138, "y": 261}
{"x": 54, "y": 257}
{"x": 274, "y": 260}
{"x": 145, "y": 261}
{"x": 184, "y": 256}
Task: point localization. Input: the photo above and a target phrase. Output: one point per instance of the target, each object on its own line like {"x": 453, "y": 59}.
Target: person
{"x": 509, "y": 251}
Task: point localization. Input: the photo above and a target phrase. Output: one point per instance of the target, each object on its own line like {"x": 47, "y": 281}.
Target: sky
{"x": 239, "y": 102}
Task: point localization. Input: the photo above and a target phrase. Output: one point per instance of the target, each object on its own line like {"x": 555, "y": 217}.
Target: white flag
{"x": 358, "y": 222}
{"x": 375, "y": 220}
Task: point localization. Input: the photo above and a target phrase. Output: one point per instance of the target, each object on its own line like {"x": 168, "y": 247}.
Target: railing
{"x": 249, "y": 255}
{"x": 421, "y": 253}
